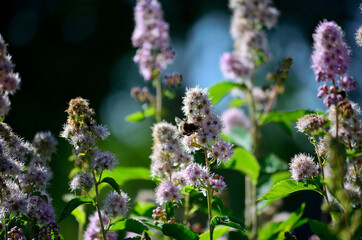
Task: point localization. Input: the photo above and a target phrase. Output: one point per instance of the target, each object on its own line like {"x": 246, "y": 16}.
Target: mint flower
{"x": 331, "y": 54}
{"x": 116, "y": 205}
{"x": 151, "y": 38}
{"x": 9, "y": 81}
{"x": 168, "y": 191}
{"x": 302, "y": 167}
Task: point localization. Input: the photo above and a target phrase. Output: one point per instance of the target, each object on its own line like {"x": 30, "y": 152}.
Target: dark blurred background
{"x": 69, "y": 48}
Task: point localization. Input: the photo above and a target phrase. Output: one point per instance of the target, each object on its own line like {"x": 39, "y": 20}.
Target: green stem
{"x": 336, "y": 106}
{"x": 254, "y": 132}
{"x": 209, "y": 197}
{"x": 98, "y": 207}
{"x": 80, "y": 225}
{"x": 158, "y": 99}
{"x": 322, "y": 171}
{"x": 187, "y": 209}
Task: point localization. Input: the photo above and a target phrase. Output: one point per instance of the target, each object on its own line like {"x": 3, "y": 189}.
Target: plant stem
{"x": 336, "y": 106}
{"x": 80, "y": 225}
{"x": 209, "y": 198}
{"x": 254, "y": 133}
{"x": 247, "y": 215}
{"x": 98, "y": 207}
{"x": 254, "y": 216}
{"x": 187, "y": 209}
{"x": 322, "y": 170}
{"x": 271, "y": 100}
{"x": 158, "y": 99}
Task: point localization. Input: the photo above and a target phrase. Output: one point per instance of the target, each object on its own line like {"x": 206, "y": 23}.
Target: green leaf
{"x": 237, "y": 102}
{"x": 135, "y": 117}
{"x": 218, "y": 232}
{"x": 111, "y": 182}
{"x": 287, "y": 127}
{"x": 170, "y": 210}
{"x": 240, "y": 137}
{"x": 321, "y": 230}
{"x": 189, "y": 189}
{"x": 269, "y": 232}
{"x": 79, "y": 216}
{"x": 151, "y": 224}
{"x": 149, "y": 112}
{"x": 276, "y": 230}
{"x": 272, "y": 163}
{"x": 279, "y": 176}
{"x": 221, "y": 89}
{"x": 129, "y": 225}
{"x": 169, "y": 94}
{"x": 73, "y": 204}
{"x": 281, "y": 116}
{"x": 143, "y": 210}
{"x": 228, "y": 221}
{"x": 179, "y": 232}
{"x": 218, "y": 205}
{"x": 353, "y": 153}
{"x": 293, "y": 219}
{"x": 123, "y": 174}
{"x": 286, "y": 187}
{"x": 246, "y": 163}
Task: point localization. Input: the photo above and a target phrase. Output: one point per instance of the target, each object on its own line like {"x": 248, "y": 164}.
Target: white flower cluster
{"x": 349, "y": 124}
{"x": 302, "y": 167}
{"x": 24, "y": 171}
{"x": 116, "y": 204}
{"x": 168, "y": 161}
{"x": 250, "y": 42}
{"x": 310, "y": 123}
{"x": 9, "y": 81}
{"x": 198, "y": 110}
{"x": 82, "y": 131}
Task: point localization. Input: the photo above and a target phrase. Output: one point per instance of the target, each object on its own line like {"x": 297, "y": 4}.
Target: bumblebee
{"x": 186, "y": 128}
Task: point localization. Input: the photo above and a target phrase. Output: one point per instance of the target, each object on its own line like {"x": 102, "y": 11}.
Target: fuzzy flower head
{"x": 234, "y": 117}
{"x": 302, "y": 167}
{"x": 81, "y": 180}
{"x": 40, "y": 210}
{"x": 172, "y": 80}
{"x": 44, "y": 143}
{"x": 151, "y": 37}
{"x": 255, "y": 12}
{"x": 167, "y": 191}
{"x": 310, "y": 123}
{"x": 358, "y": 36}
{"x": 4, "y": 104}
{"x": 168, "y": 155}
{"x": 16, "y": 233}
{"x": 217, "y": 183}
{"x": 199, "y": 111}
{"x": 234, "y": 67}
{"x": 36, "y": 177}
{"x": 93, "y": 231}
{"x": 331, "y": 54}
{"x": 151, "y": 30}
{"x": 116, "y": 205}
{"x": 81, "y": 129}
{"x": 9, "y": 81}
{"x": 196, "y": 175}
{"x": 104, "y": 161}
{"x": 14, "y": 201}
{"x": 220, "y": 151}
